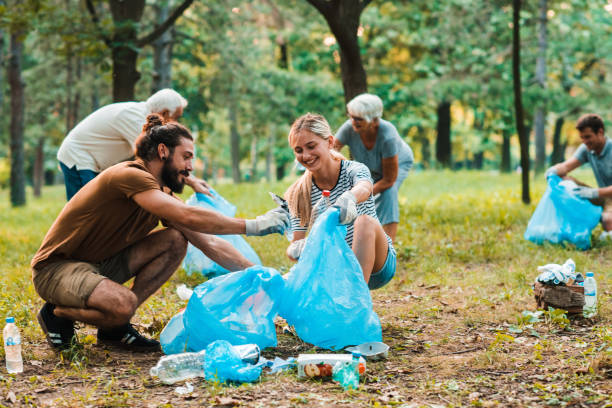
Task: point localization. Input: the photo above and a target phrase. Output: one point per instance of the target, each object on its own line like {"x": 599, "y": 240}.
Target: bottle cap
{"x": 10, "y": 319}
{"x": 356, "y": 355}
{"x": 589, "y": 274}
{"x": 326, "y": 193}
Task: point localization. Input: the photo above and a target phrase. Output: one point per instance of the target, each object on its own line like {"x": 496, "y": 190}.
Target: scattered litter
{"x": 183, "y": 292}
{"x": 321, "y": 365}
{"x": 374, "y": 350}
{"x": 279, "y": 364}
{"x": 222, "y": 363}
{"x": 553, "y": 274}
{"x": 186, "y": 389}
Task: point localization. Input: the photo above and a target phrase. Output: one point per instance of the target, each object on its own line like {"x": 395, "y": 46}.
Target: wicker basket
{"x": 570, "y": 298}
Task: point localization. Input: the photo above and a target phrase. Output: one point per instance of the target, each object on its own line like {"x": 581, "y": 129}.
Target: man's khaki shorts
{"x": 69, "y": 283}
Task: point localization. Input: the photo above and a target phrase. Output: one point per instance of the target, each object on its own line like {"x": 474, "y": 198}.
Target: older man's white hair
{"x": 366, "y": 106}
{"x": 165, "y": 99}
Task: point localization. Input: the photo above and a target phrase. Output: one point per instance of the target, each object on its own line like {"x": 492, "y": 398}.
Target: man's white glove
{"x": 551, "y": 170}
{"x": 586, "y": 192}
{"x": 295, "y": 249}
{"x": 347, "y": 204}
{"x": 276, "y": 220}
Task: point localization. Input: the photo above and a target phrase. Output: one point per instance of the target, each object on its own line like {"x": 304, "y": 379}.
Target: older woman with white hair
{"x": 376, "y": 143}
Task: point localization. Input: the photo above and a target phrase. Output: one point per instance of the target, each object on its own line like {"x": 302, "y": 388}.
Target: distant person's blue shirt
{"x": 388, "y": 144}
{"x": 601, "y": 164}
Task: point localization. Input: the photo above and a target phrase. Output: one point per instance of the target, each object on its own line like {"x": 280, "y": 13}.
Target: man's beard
{"x": 170, "y": 177}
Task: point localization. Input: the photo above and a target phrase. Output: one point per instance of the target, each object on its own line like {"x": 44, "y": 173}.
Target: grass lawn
{"x": 452, "y": 314}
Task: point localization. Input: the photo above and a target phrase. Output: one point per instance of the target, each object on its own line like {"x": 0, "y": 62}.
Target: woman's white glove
{"x": 347, "y": 204}
{"x": 295, "y": 249}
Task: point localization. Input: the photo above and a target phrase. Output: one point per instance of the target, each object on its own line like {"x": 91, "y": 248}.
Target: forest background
{"x": 444, "y": 70}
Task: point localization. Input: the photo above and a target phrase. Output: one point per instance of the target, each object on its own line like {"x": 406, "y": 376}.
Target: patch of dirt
{"x": 448, "y": 348}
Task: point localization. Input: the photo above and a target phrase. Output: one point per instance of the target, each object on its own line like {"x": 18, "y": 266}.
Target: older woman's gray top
{"x": 388, "y": 144}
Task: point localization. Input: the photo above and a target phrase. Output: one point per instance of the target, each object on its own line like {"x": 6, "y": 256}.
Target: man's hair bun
{"x": 153, "y": 120}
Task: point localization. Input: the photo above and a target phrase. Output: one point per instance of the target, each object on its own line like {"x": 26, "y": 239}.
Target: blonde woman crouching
{"x": 350, "y": 185}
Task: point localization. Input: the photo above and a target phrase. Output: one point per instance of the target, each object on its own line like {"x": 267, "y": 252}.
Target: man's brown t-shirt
{"x": 102, "y": 219}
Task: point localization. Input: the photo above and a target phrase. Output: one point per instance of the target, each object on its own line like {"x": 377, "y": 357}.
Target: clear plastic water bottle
{"x": 178, "y": 367}
{"x": 183, "y": 366}
{"x": 320, "y": 207}
{"x": 590, "y": 296}
{"x": 12, "y": 346}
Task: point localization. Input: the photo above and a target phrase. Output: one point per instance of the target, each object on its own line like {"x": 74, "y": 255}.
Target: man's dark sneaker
{"x": 126, "y": 337}
{"x": 59, "y": 331}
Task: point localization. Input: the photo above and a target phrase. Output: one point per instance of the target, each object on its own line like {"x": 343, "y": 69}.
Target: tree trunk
{"x": 17, "y": 86}
{"x": 3, "y": 118}
{"x": 270, "y": 155}
{"x": 76, "y": 102}
{"x": 39, "y": 162}
{"x": 69, "y": 88}
{"x": 343, "y": 16}
{"x": 558, "y": 152}
{"x": 506, "y": 164}
{"x": 253, "y": 158}
{"x": 518, "y": 100}
{"x": 443, "y": 140}
{"x": 425, "y": 149}
{"x": 478, "y": 160}
{"x": 162, "y": 53}
{"x": 280, "y": 171}
{"x": 234, "y": 141}
{"x": 124, "y": 49}
{"x": 95, "y": 100}
{"x": 540, "y": 75}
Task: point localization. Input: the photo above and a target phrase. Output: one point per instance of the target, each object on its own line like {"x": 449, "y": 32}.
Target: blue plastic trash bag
{"x": 222, "y": 363}
{"x": 326, "y": 298}
{"x": 173, "y": 338}
{"x": 195, "y": 260}
{"x": 216, "y": 202}
{"x": 238, "y": 307}
{"x": 562, "y": 217}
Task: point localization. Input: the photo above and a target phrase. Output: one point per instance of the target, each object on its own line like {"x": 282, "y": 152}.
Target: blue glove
{"x": 347, "y": 204}
{"x": 276, "y": 220}
{"x": 586, "y": 192}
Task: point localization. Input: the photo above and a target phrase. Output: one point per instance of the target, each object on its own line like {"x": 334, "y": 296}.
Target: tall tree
{"x": 518, "y": 99}
{"x": 343, "y": 16}
{"x": 162, "y": 52}
{"x": 443, "y": 139}
{"x": 125, "y": 43}
{"x": 540, "y": 77}
{"x": 17, "y": 87}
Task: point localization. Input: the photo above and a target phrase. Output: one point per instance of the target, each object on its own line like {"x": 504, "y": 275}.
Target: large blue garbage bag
{"x": 326, "y": 298}
{"x": 195, "y": 260}
{"x": 238, "y": 307}
{"x": 562, "y": 217}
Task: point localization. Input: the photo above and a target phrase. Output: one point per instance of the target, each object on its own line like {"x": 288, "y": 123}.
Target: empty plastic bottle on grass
{"x": 347, "y": 373}
{"x": 590, "y": 296}
{"x": 12, "y": 346}
{"x": 182, "y": 366}
{"x": 320, "y": 207}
